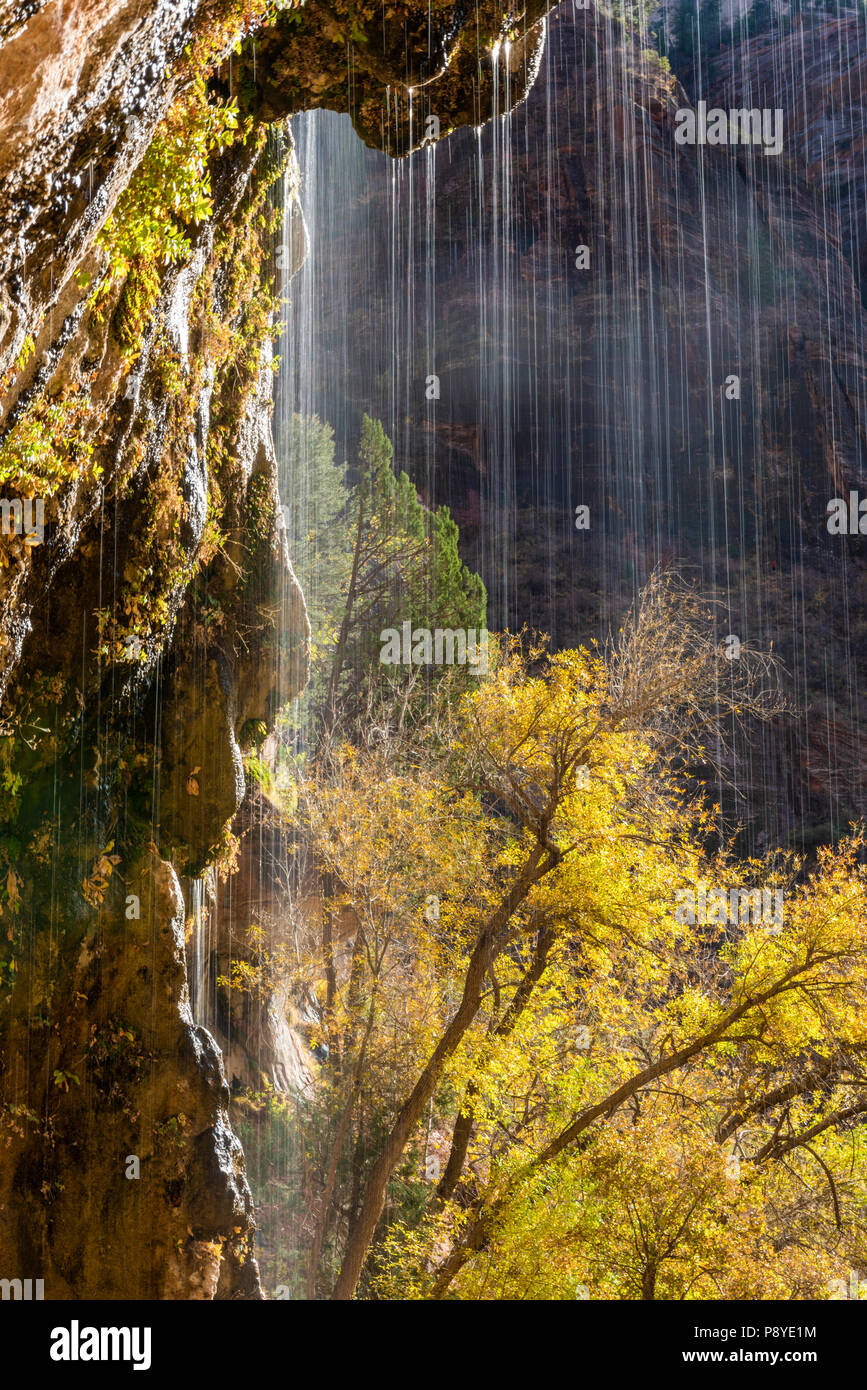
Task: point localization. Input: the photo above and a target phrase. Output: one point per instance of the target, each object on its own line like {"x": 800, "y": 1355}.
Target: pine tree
{"x": 710, "y": 27}
{"x": 315, "y": 493}
{"x": 374, "y": 558}
{"x": 760, "y": 18}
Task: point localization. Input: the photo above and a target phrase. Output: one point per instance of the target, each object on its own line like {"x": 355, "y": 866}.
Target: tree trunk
{"x": 484, "y": 952}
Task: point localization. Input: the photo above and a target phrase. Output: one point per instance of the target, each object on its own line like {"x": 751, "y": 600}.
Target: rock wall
{"x": 135, "y": 767}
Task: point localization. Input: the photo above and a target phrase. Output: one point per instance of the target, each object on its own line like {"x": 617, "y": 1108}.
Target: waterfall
{"x": 200, "y": 955}
{"x": 561, "y": 312}
{"x": 604, "y": 384}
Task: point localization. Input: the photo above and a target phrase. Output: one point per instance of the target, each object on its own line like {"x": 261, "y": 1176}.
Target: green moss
{"x": 259, "y": 516}
{"x": 169, "y": 195}
{"x": 231, "y": 317}
{"x": 51, "y": 443}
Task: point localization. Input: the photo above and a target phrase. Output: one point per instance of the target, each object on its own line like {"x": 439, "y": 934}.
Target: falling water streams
{"x": 443, "y": 294}
{"x": 201, "y": 985}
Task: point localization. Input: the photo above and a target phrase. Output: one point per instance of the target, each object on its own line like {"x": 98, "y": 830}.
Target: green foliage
{"x": 381, "y": 559}
{"x": 684, "y": 29}
{"x": 231, "y": 312}
{"x": 50, "y": 444}
{"x": 224, "y": 24}
{"x": 369, "y": 556}
{"x": 62, "y": 1079}
{"x": 315, "y": 494}
{"x": 171, "y": 189}
{"x": 260, "y": 772}
{"x": 259, "y": 511}
{"x": 760, "y": 18}
{"x": 169, "y": 194}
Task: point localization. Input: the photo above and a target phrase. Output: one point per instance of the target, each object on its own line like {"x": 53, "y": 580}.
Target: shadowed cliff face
{"x": 825, "y": 62}
{"x": 125, "y": 752}
{"x": 157, "y": 619}
{"x": 137, "y": 1185}
{"x": 606, "y": 385}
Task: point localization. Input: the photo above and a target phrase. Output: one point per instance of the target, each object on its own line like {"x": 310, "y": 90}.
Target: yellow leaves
{"x": 28, "y": 348}
{"x": 394, "y": 840}
{"x": 192, "y": 782}
{"x": 228, "y": 854}
{"x": 50, "y": 445}
{"x": 245, "y": 978}
{"x": 96, "y": 884}
{"x": 607, "y": 1078}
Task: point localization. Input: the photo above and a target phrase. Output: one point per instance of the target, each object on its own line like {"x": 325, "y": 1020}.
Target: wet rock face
{"x": 136, "y": 1185}
{"x": 146, "y": 680}
{"x": 406, "y": 63}
{"x": 83, "y": 84}
{"x": 825, "y": 62}
{"x": 256, "y": 915}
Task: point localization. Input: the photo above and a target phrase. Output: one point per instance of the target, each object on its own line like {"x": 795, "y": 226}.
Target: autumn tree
{"x": 516, "y": 975}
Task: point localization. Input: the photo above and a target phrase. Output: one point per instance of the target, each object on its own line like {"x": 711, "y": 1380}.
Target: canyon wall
{"x": 604, "y": 384}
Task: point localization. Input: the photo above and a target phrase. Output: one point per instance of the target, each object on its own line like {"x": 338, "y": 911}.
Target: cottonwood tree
{"x": 717, "y": 1151}
{"x": 543, "y": 814}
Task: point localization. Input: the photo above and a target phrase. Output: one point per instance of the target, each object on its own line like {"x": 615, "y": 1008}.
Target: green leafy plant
{"x": 170, "y": 194}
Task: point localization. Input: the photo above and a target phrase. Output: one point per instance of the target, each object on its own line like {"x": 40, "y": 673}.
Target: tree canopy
{"x": 541, "y": 1078}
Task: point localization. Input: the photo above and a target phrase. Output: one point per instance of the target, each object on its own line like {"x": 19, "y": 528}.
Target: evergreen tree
{"x": 710, "y": 27}
{"x": 683, "y": 31}
{"x": 760, "y": 18}
{"x": 315, "y": 493}
{"x": 372, "y": 557}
